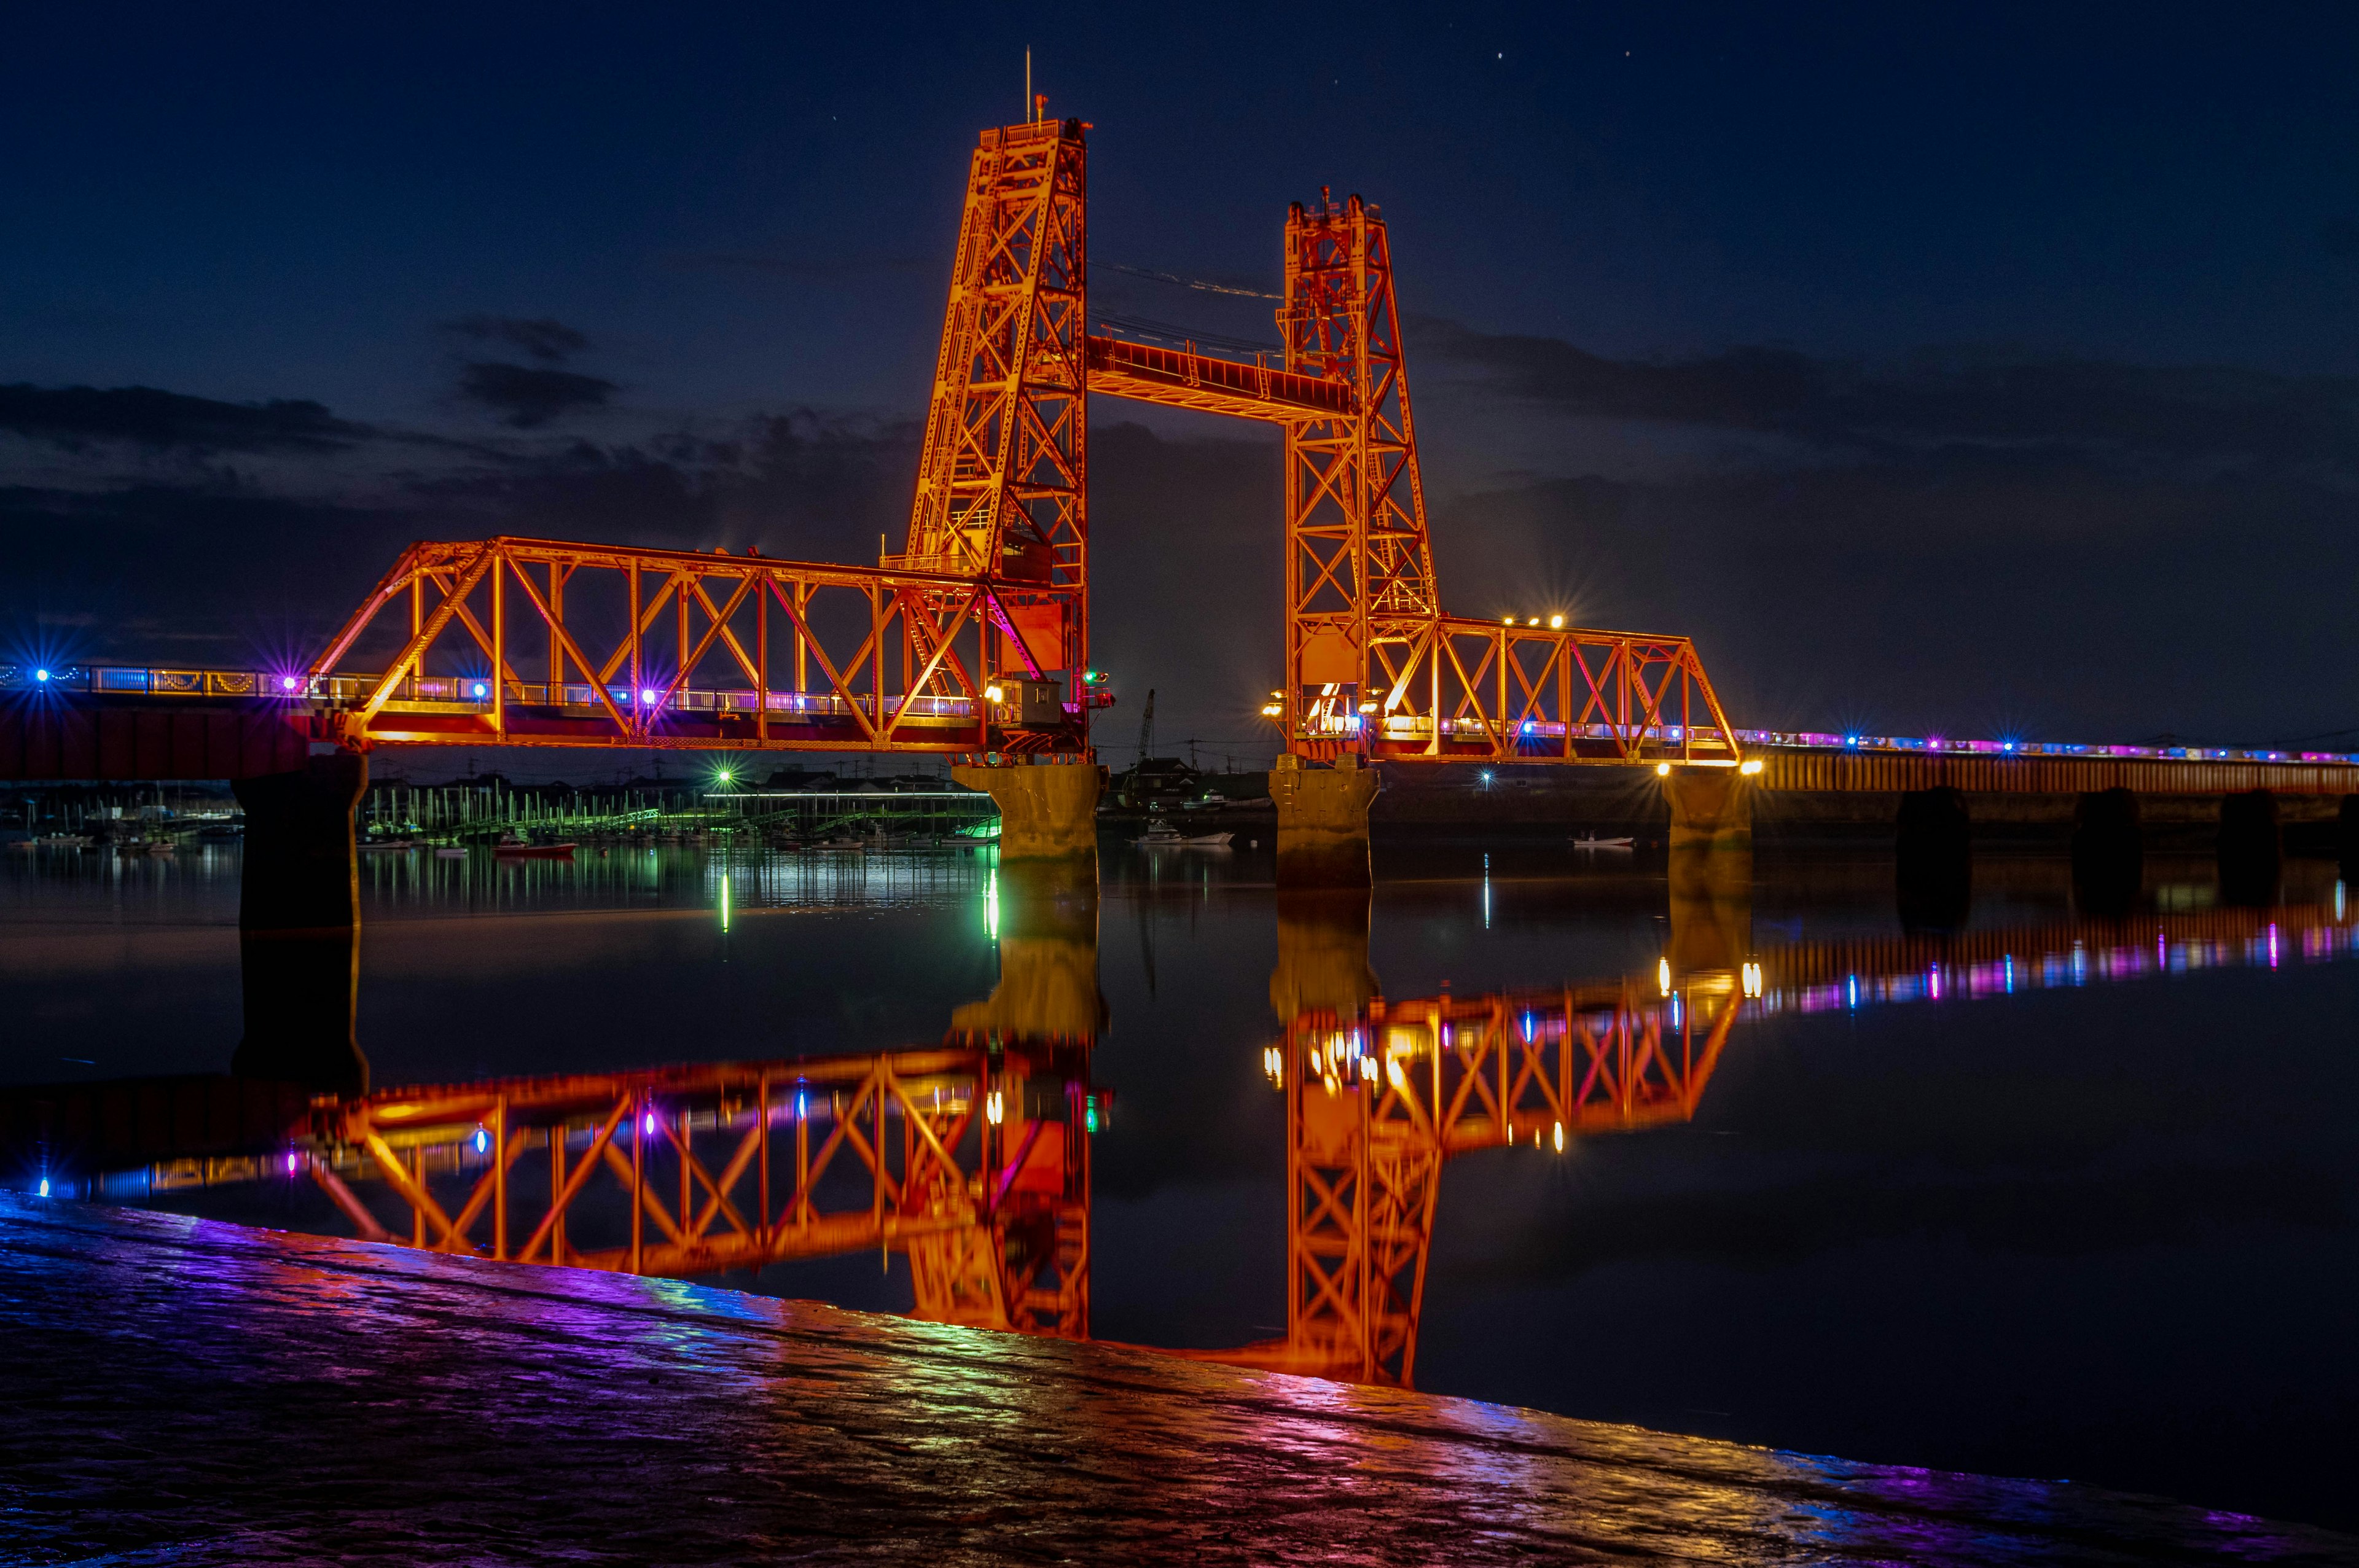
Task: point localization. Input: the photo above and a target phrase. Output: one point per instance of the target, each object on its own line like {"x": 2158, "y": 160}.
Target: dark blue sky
{"x": 1994, "y": 369}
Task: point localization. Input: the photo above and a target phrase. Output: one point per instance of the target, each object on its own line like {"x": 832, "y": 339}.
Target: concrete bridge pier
{"x": 1712, "y": 808}
{"x": 299, "y": 926}
{"x": 2250, "y": 850}
{"x": 1933, "y": 859}
{"x": 1322, "y": 822}
{"x": 1046, "y": 914}
{"x": 1047, "y": 811}
{"x": 2108, "y": 852}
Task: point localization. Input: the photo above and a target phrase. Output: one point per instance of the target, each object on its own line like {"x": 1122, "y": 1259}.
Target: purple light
{"x": 651, "y": 1124}
{"x": 647, "y": 697}
{"x": 287, "y": 683}
{"x": 291, "y": 1162}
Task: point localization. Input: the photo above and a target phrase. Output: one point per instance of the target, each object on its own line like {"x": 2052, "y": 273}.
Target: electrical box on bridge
{"x": 1040, "y": 704}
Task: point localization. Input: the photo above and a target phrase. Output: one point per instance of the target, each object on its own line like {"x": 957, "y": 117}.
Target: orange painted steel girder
{"x": 945, "y": 1154}
{"x": 877, "y": 659}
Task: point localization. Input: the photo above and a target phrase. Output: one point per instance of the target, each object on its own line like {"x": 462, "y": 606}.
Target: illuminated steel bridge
{"x": 972, "y": 639}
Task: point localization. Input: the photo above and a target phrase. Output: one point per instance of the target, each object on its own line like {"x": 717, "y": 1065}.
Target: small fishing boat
{"x": 450, "y": 852}
{"x": 1161, "y": 835}
{"x": 1592, "y": 841}
{"x": 514, "y": 847}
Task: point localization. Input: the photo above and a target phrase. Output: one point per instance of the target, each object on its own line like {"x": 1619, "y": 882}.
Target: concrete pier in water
{"x": 299, "y": 926}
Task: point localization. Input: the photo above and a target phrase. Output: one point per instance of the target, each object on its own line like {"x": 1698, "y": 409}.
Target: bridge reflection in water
{"x": 971, "y": 1157}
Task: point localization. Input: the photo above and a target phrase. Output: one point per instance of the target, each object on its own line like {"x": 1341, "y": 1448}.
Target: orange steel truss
{"x": 973, "y": 1161}
{"x": 972, "y": 640}
{"x": 990, "y": 590}
{"x": 1376, "y": 1103}
{"x": 548, "y": 643}
{"x": 1373, "y": 667}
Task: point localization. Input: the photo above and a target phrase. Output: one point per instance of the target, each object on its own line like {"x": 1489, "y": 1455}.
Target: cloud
{"x": 75, "y": 419}
{"x": 528, "y": 398}
{"x": 1933, "y": 399}
{"x": 548, "y": 339}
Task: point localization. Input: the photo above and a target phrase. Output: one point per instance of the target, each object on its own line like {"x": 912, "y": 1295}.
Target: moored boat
{"x": 516, "y": 849}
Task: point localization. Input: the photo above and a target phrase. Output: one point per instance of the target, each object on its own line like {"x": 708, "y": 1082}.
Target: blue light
{"x": 45, "y": 1181}
{"x": 481, "y": 689}
{"x": 483, "y": 1141}
{"x": 42, "y": 674}
{"x": 1853, "y": 989}
{"x": 1851, "y": 740}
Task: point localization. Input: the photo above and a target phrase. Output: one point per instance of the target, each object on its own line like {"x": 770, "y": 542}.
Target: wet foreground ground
{"x": 183, "y": 1391}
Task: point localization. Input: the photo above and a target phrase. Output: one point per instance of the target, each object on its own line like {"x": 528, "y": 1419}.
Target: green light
{"x": 724, "y": 776}
{"x": 725, "y": 904}
{"x": 1090, "y": 1116}
{"x": 991, "y": 905}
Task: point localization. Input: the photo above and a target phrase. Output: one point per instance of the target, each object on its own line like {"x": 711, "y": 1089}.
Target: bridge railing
{"x": 1522, "y": 735}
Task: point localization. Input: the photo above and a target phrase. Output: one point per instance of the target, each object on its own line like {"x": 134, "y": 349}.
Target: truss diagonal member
{"x": 834, "y": 679}
{"x": 717, "y": 1188}
{"x": 420, "y": 1201}
{"x": 572, "y": 650}
{"x": 719, "y": 625}
{"x": 643, "y": 618}
{"x": 911, "y": 617}
{"x": 423, "y": 638}
{"x": 487, "y": 1184}
{"x": 643, "y": 1194}
{"x": 403, "y": 573}
{"x": 599, "y": 1142}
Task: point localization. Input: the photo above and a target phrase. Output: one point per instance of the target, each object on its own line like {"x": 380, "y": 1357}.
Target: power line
{"x": 1195, "y": 283}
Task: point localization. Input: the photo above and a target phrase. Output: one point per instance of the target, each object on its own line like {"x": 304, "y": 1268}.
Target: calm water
{"x": 2062, "y": 1205}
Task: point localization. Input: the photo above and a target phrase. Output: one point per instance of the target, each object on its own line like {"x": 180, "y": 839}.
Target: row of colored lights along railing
{"x": 301, "y": 687}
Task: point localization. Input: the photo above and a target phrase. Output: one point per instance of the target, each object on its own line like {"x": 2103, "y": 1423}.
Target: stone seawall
{"x": 201, "y": 1393}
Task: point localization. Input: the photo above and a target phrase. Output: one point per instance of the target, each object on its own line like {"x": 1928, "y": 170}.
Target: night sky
{"x": 1994, "y": 373}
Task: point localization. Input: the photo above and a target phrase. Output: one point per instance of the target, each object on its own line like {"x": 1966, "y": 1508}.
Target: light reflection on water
{"x": 1898, "y": 1228}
